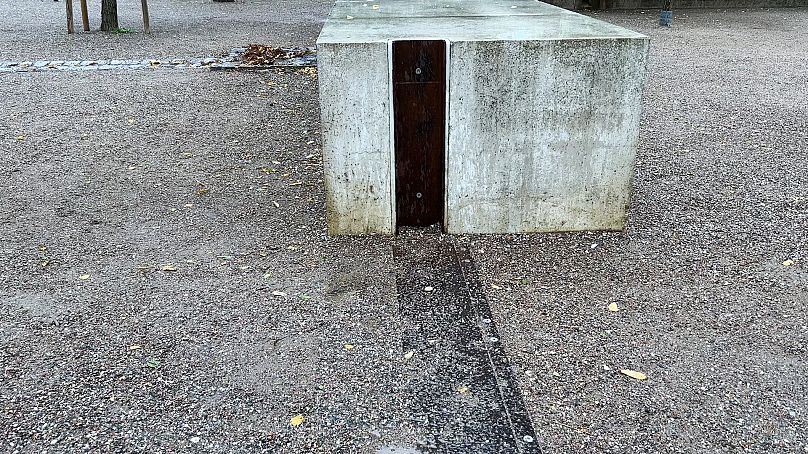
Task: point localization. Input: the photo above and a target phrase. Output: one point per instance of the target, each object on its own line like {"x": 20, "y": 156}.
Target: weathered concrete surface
{"x": 543, "y": 118}
{"x": 680, "y": 4}
{"x": 357, "y": 153}
{"x": 543, "y": 134}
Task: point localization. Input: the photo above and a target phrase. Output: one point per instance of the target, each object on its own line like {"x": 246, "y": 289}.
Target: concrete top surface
{"x": 359, "y": 21}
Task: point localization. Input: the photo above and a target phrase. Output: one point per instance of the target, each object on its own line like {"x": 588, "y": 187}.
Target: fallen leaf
{"x": 634, "y": 374}
{"x": 168, "y": 267}
{"x": 409, "y": 354}
{"x": 788, "y": 262}
{"x": 495, "y": 286}
{"x": 428, "y": 289}
{"x": 348, "y": 346}
{"x": 131, "y": 121}
{"x": 135, "y": 347}
{"x": 349, "y": 17}
{"x": 296, "y": 420}
{"x": 153, "y": 363}
{"x": 613, "y": 307}
{"x": 20, "y": 137}
{"x": 45, "y": 263}
{"x": 84, "y": 277}
{"x": 463, "y": 389}
{"x": 375, "y": 6}
{"x": 277, "y": 205}
{"x": 278, "y": 293}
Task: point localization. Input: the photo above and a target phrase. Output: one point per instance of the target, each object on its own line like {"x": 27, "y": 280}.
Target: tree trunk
{"x": 109, "y": 15}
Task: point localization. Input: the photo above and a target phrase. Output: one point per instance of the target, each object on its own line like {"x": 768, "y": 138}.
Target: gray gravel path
{"x": 136, "y": 174}
{"x": 121, "y": 177}
{"x": 37, "y": 29}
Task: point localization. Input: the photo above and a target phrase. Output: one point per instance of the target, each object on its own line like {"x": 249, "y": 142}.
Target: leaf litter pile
{"x": 265, "y": 55}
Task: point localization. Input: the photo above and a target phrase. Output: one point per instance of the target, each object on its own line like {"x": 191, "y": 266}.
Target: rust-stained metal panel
{"x": 419, "y": 105}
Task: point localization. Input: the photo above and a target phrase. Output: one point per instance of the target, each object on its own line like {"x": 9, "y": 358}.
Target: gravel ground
{"x": 112, "y": 180}
{"x": 37, "y": 29}
{"x": 182, "y": 169}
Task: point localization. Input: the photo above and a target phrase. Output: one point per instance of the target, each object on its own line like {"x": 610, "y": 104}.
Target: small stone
{"x": 527, "y": 439}
{"x": 428, "y": 289}
{"x": 195, "y": 440}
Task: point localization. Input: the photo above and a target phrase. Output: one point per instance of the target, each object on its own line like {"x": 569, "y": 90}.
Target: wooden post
{"x": 69, "y": 10}
{"x": 145, "y": 5}
{"x": 85, "y": 19}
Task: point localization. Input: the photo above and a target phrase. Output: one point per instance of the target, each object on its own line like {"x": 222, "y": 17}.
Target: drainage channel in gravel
{"x": 462, "y": 393}
{"x": 233, "y": 61}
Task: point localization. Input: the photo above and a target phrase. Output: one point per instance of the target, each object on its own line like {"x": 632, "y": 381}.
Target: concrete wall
{"x": 542, "y": 134}
{"x": 542, "y": 119}
{"x": 355, "y": 107}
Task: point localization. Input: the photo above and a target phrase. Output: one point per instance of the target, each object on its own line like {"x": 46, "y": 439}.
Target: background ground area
{"x": 36, "y": 29}
{"x": 166, "y": 283}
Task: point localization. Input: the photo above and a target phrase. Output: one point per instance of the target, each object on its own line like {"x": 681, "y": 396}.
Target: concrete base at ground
{"x": 543, "y": 114}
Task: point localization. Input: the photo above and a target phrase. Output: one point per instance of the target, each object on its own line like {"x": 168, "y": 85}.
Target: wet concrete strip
{"x": 463, "y": 395}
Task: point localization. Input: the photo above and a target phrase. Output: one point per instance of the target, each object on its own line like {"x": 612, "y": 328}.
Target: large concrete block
{"x": 543, "y": 109}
